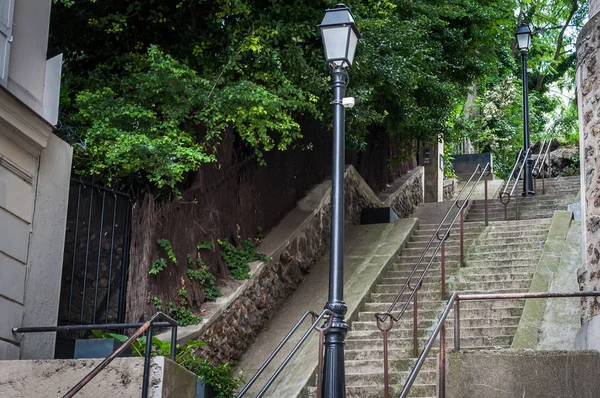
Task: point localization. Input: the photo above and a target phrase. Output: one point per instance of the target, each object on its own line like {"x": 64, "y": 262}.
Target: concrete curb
{"x": 528, "y": 332}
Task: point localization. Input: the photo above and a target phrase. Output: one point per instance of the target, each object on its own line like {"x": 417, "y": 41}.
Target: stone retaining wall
{"x": 449, "y": 188}
{"x": 588, "y": 92}
{"x": 230, "y": 331}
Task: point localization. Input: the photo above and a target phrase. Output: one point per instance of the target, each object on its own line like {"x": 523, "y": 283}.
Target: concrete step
{"x": 374, "y": 378}
{"x": 406, "y": 335}
{"x": 521, "y": 284}
{"x": 405, "y": 325}
{"x": 375, "y": 365}
{"x": 523, "y": 205}
{"x": 429, "y": 229}
{"x": 436, "y": 306}
{"x": 435, "y": 279}
{"x": 470, "y": 268}
{"x": 489, "y": 233}
{"x": 493, "y": 255}
{"x": 501, "y": 312}
{"x": 374, "y": 306}
{"x": 453, "y": 246}
{"x": 460, "y": 285}
{"x": 482, "y": 247}
{"x": 533, "y": 215}
{"x": 481, "y": 266}
{"x": 405, "y": 344}
{"x": 407, "y": 353}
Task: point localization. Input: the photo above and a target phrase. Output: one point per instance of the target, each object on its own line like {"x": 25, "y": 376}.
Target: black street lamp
{"x": 340, "y": 38}
{"x": 523, "y": 35}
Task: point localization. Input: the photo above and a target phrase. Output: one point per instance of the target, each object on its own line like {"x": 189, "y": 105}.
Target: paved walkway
{"x": 368, "y": 250}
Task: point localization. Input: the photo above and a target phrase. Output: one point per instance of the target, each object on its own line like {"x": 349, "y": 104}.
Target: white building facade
{"x": 34, "y": 179}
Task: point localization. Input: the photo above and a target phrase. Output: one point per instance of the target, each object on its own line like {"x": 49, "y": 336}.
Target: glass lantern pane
{"x": 352, "y": 46}
{"x": 335, "y": 40}
{"x": 524, "y": 41}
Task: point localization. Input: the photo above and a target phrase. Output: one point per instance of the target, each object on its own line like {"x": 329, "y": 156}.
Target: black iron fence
{"x": 95, "y": 262}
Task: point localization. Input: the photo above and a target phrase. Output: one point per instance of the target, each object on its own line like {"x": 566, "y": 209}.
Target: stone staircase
{"x": 560, "y": 192}
{"x": 501, "y": 257}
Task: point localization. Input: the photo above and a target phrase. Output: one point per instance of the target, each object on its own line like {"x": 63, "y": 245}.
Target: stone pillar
{"x": 430, "y": 158}
{"x": 588, "y": 99}
{"x": 594, "y": 7}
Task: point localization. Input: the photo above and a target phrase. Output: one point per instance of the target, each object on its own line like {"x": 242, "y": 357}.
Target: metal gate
{"x": 95, "y": 261}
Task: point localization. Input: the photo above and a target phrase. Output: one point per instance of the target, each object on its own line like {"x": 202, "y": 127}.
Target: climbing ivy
{"x": 238, "y": 258}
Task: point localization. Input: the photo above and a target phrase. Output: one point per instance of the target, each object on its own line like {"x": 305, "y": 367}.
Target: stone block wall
{"x": 588, "y": 92}
{"x": 231, "y": 332}
{"x": 449, "y": 189}
{"x": 518, "y": 373}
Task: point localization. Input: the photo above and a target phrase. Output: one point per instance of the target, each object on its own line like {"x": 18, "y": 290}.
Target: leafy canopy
{"x": 152, "y": 86}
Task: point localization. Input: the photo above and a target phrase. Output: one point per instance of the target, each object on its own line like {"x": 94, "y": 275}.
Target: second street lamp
{"x": 523, "y": 36}
{"x": 340, "y": 38}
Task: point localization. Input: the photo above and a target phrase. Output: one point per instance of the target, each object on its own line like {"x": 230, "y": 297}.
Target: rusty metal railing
{"x": 505, "y": 196}
{"x": 147, "y": 326}
{"x": 540, "y": 164}
{"x": 440, "y": 329}
{"x": 387, "y": 316}
{"x": 316, "y": 318}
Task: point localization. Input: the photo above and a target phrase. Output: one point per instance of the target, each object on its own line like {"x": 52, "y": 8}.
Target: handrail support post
{"x": 442, "y": 363}
{"x": 516, "y": 206}
{"x": 147, "y": 357}
{"x": 486, "y": 197}
{"x": 415, "y": 320}
{"x": 457, "y": 326}
{"x": 462, "y": 238}
{"x": 443, "y": 266}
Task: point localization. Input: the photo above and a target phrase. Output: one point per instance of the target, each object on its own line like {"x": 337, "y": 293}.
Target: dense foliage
{"x": 151, "y": 86}
{"x": 493, "y": 120}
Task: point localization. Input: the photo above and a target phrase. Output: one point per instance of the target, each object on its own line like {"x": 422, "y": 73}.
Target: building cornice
{"x": 23, "y": 125}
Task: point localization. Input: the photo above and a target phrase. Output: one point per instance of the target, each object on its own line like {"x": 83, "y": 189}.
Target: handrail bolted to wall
{"x": 382, "y": 317}
{"x": 147, "y": 326}
{"x": 316, "y": 318}
{"x": 440, "y": 328}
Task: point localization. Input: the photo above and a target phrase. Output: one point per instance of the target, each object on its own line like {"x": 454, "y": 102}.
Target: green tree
{"x": 151, "y": 86}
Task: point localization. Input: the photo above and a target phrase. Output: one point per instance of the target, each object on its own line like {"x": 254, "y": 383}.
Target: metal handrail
{"x": 539, "y": 171}
{"x": 440, "y": 329}
{"x": 142, "y": 328}
{"x": 540, "y": 155}
{"x": 512, "y": 191}
{"x": 314, "y": 326}
{"x": 428, "y": 246}
{"x": 382, "y": 317}
{"x": 505, "y": 196}
{"x": 512, "y": 172}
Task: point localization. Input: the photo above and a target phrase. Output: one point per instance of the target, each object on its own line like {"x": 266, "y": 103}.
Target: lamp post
{"x": 523, "y": 35}
{"x": 340, "y": 38}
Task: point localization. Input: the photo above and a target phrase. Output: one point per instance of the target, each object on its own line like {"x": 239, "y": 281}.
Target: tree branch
{"x": 559, "y": 43}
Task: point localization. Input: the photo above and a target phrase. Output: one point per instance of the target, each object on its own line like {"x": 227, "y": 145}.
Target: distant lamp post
{"x": 340, "y": 38}
{"x": 523, "y": 35}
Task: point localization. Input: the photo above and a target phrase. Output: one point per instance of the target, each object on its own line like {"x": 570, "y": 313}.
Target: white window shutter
{"x": 7, "y": 8}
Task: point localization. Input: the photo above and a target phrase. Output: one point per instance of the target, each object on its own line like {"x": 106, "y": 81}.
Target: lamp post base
{"x": 334, "y": 374}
